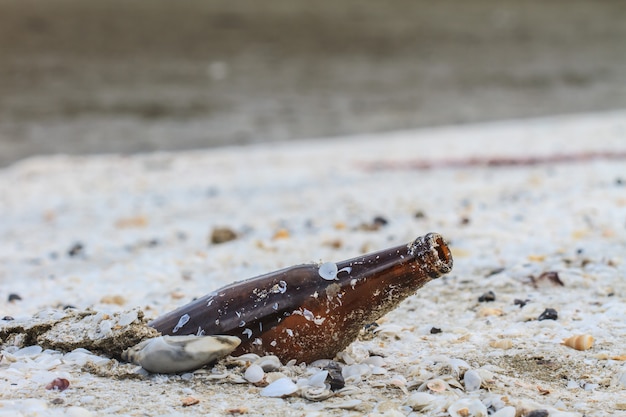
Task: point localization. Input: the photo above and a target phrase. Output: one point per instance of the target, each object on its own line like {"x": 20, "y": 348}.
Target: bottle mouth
{"x": 435, "y": 251}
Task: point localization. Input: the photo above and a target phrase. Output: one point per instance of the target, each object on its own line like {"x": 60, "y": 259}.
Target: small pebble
{"x": 189, "y": 401}
{"x": 14, "y": 297}
{"x": 76, "y": 249}
{"x": 548, "y": 314}
{"x": 489, "y": 296}
{"x": 334, "y": 378}
{"x": 520, "y": 303}
{"x": 435, "y": 330}
{"x": 222, "y": 235}
{"x": 59, "y": 384}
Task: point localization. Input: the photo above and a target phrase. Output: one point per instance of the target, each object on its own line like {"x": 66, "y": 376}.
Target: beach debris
{"x": 76, "y": 249}
{"x": 548, "y": 314}
{"x": 488, "y": 311}
{"x": 169, "y": 354}
{"x": 521, "y": 303}
{"x": 14, "y": 297}
{"x": 377, "y": 223}
{"x": 299, "y": 313}
{"x": 547, "y": 276}
{"x": 537, "y": 413}
{"x": 467, "y": 407}
{"x": 222, "y": 234}
{"x": 59, "y": 384}
{"x": 487, "y": 297}
{"x": 501, "y": 344}
{"x": 189, "y": 401}
{"x": 419, "y": 401}
{"x": 281, "y": 234}
{"x": 579, "y": 342}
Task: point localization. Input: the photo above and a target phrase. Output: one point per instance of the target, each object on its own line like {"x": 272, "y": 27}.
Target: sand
{"x": 520, "y": 202}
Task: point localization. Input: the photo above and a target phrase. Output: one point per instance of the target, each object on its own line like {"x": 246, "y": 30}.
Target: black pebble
{"x": 419, "y": 214}
{"x": 435, "y": 330}
{"x": 548, "y": 314}
{"x": 76, "y": 249}
{"x": 380, "y": 221}
{"x": 334, "y": 378}
{"x": 520, "y": 303}
{"x": 7, "y": 318}
{"x": 14, "y": 297}
{"x": 487, "y": 297}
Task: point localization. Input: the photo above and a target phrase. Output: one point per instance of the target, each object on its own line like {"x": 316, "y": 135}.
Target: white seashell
{"x": 467, "y": 407}
{"x": 318, "y": 380}
{"x": 579, "y": 342}
{"x": 28, "y": 351}
{"x": 316, "y": 393}
{"x": 345, "y": 405}
{"x": 507, "y": 411}
{"x": 437, "y": 385}
{"x": 171, "y": 354}
{"x": 353, "y": 373}
{"x": 127, "y": 318}
{"x": 328, "y": 271}
{"x": 254, "y": 374}
{"x": 472, "y": 381}
{"x": 375, "y": 361}
{"x": 279, "y": 388}
{"x": 269, "y": 363}
{"x": 420, "y": 400}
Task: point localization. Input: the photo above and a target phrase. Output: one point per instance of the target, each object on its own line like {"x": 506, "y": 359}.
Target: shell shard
{"x": 172, "y": 354}
{"x": 310, "y": 312}
{"x": 579, "y": 342}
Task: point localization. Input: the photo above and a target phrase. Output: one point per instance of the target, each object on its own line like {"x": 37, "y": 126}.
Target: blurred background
{"x": 80, "y": 76}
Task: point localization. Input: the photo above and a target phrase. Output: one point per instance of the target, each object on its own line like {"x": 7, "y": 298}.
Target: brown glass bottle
{"x": 306, "y": 314}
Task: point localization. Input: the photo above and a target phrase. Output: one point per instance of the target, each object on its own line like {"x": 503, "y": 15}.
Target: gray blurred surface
{"x": 82, "y": 76}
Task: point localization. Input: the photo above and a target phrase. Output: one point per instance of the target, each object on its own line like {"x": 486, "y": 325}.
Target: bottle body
{"x": 306, "y": 313}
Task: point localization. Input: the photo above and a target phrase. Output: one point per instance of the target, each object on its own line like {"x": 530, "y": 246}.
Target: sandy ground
{"x": 514, "y": 199}
{"x": 89, "y": 77}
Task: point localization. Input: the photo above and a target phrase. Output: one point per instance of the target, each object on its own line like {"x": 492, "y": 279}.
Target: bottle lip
{"x": 434, "y": 247}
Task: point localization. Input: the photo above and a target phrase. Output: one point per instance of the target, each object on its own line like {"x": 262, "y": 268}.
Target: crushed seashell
{"x": 467, "y": 407}
{"x": 501, "y": 344}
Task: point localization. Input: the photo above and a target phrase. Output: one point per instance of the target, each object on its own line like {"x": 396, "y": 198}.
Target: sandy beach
{"x": 534, "y": 211}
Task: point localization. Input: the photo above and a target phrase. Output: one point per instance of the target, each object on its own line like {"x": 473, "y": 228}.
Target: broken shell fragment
{"x": 579, "y": 342}
{"x": 308, "y": 312}
{"x": 171, "y": 354}
{"x": 501, "y": 344}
